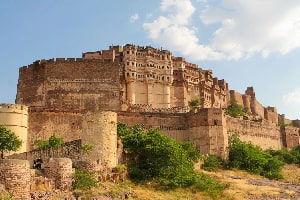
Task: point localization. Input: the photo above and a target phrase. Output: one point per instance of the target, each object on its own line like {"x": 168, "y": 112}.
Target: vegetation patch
{"x": 246, "y": 156}
{"x": 156, "y": 158}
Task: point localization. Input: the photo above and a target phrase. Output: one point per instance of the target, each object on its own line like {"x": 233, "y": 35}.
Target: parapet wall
{"x": 15, "y": 118}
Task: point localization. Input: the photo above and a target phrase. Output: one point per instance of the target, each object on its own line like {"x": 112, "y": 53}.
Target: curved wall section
{"x": 15, "y": 117}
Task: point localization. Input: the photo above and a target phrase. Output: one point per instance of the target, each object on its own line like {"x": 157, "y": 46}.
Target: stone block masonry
{"x": 60, "y": 169}
{"x": 15, "y": 175}
{"x": 100, "y": 130}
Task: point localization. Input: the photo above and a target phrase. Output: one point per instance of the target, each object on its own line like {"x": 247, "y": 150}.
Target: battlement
{"x": 13, "y": 108}
{"x": 40, "y": 63}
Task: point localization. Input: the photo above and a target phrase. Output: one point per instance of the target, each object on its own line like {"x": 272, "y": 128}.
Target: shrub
{"x": 235, "y": 109}
{"x": 252, "y": 158}
{"x": 210, "y": 185}
{"x": 84, "y": 180}
{"x": 212, "y": 163}
{"x": 194, "y": 103}
{"x": 159, "y": 157}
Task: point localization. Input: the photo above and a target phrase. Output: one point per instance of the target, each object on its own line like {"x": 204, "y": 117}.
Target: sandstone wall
{"x": 70, "y": 84}
{"x": 60, "y": 169}
{"x": 70, "y": 150}
{"x": 15, "y": 175}
{"x": 15, "y": 118}
{"x": 291, "y": 136}
{"x": 264, "y": 134}
{"x": 208, "y": 131}
{"x": 43, "y": 124}
{"x": 271, "y": 115}
{"x": 100, "y": 130}
{"x": 235, "y": 96}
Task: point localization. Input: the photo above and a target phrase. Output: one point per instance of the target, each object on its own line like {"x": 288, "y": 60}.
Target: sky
{"x": 247, "y": 43}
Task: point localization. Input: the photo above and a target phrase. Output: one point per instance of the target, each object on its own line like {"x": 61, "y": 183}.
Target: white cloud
{"x": 134, "y": 17}
{"x": 242, "y": 28}
{"x": 292, "y": 97}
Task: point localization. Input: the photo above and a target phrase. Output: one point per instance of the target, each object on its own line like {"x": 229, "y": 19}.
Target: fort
{"x": 84, "y": 98}
{"x": 142, "y": 85}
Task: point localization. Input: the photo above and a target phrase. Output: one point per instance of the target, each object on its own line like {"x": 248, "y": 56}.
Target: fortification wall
{"x": 207, "y": 129}
{"x": 43, "y": 124}
{"x": 100, "y": 130}
{"x": 15, "y": 118}
{"x": 264, "y": 134}
{"x": 162, "y": 121}
{"x": 71, "y": 84}
{"x": 15, "y": 175}
{"x": 60, "y": 169}
{"x": 235, "y": 96}
{"x": 271, "y": 115}
{"x": 257, "y": 108}
{"x": 30, "y": 89}
{"x": 291, "y": 136}
{"x": 70, "y": 150}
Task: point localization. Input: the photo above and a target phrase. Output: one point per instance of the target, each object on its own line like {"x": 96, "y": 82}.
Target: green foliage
{"x": 160, "y": 159}
{"x": 87, "y": 148}
{"x": 9, "y": 141}
{"x": 84, "y": 180}
{"x": 252, "y": 158}
{"x": 121, "y": 168}
{"x": 289, "y": 157}
{"x": 122, "y": 129}
{"x": 212, "y": 163}
{"x": 41, "y": 144}
{"x": 282, "y": 124}
{"x": 194, "y": 103}
{"x": 235, "y": 109}
{"x": 55, "y": 142}
{"x": 210, "y": 185}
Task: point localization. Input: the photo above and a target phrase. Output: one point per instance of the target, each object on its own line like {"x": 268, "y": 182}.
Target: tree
{"x": 55, "y": 142}
{"x": 9, "y": 141}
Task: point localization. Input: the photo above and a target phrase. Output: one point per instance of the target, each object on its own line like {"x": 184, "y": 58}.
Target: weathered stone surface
{"x": 15, "y": 175}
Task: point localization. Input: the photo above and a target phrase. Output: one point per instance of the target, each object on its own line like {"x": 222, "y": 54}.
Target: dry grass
{"x": 242, "y": 186}
{"x": 291, "y": 174}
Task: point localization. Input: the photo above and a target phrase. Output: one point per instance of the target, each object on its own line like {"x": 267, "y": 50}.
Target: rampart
{"x": 70, "y": 84}
{"x": 15, "y": 175}
{"x": 46, "y": 123}
{"x": 15, "y": 118}
{"x": 264, "y": 134}
{"x": 100, "y": 130}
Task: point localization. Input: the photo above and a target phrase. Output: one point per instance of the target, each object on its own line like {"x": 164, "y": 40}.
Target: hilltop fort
{"x": 84, "y": 98}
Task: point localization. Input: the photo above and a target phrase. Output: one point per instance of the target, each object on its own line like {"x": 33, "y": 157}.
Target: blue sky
{"x": 247, "y": 43}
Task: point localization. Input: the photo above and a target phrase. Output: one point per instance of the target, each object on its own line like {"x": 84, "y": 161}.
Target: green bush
{"x": 210, "y": 185}
{"x": 252, "y": 158}
{"x": 235, "y": 109}
{"x": 84, "y": 180}
{"x": 6, "y": 196}
{"x": 159, "y": 157}
{"x": 289, "y": 157}
{"x": 154, "y": 157}
{"x": 212, "y": 163}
